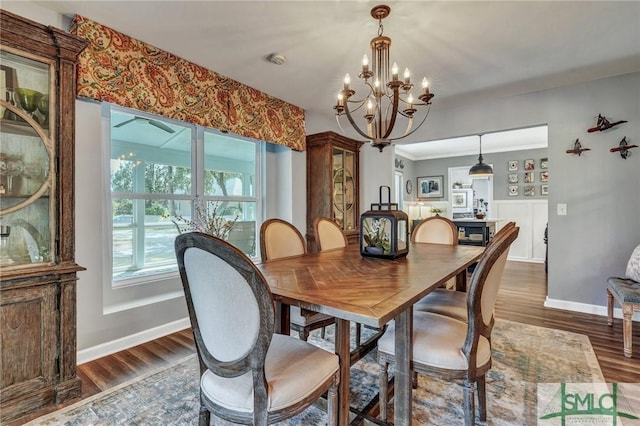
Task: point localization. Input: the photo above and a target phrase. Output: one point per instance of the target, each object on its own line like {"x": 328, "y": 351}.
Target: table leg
{"x": 343, "y": 334}
{"x": 403, "y": 376}
{"x": 283, "y": 318}
{"x": 461, "y": 281}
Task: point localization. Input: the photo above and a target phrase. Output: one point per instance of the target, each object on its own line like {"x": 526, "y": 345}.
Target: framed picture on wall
{"x": 529, "y": 191}
{"x": 459, "y": 199}
{"x": 430, "y": 187}
{"x": 529, "y": 164}
{"x": 544, "y": 176}
{"x": 513, "y": 165}
{"x": 513, "y": 190}
{"x": 513, "y": 178}
{"x": 544, "y": 189}
{"x": 529, "y": 177}
{"x": 544, "y": 163}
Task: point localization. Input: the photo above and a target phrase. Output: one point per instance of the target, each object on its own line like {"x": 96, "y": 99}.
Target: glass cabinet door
{"x": 26, "y": 155}
{"x": 344, "y": 188}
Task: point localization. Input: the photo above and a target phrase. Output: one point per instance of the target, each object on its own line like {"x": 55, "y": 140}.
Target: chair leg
{"x": 482, "y": 398}
{"x": 205, "y": 416}
{"x": 609, "y": 308}
{"x": 414, "y": 380}
{"x": 627, "y": 315}
{"x": 384, "y": 382}
{"x": 303, "y": 334}
{"x": 322, "y": 332}
{"x": 358, "y": 334}
{"x": 332, "y": 405}
{"x": 469, "y": 406}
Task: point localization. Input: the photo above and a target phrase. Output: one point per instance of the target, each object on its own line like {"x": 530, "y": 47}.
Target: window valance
{"x": 122, "y": 70}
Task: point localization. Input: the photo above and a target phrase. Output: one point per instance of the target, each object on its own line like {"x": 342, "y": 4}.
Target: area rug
{"x": 523, "y": 356}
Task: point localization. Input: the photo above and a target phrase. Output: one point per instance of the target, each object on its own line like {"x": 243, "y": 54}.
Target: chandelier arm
{"x": 340, "y": 125}
{"x": 353, "y": 123}
{"x": 409, "y": 124}
{"x": 394, "y": 114}
{"x": 414, "y": 130}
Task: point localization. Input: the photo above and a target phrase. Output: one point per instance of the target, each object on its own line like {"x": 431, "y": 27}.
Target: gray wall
{"x": 497, "y": 160}
{"x": 601, "y": 190}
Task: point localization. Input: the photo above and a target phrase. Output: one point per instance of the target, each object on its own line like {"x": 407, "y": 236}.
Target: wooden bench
{"x": 627, "y": 293}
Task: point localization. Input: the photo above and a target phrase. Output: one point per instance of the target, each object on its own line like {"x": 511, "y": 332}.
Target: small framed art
{"x": 459, "y": 199}
{"x": 513, "y": 190}
{"x": 513, "y": 178}
{"x": 529, "y": 191}
{"x": 430, "y": 186}
{"x": 544, "y": 163}
{"x": 544, "y": 176}
{"x": 529, "y": 164}
{"x": 513, "y": 165}
{"x": 529, "y": 177}
{"x": 544, "y": 189}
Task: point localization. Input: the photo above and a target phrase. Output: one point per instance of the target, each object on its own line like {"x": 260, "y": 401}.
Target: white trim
{"x": 585, "y": 308}
{"x": 108, "y": 348}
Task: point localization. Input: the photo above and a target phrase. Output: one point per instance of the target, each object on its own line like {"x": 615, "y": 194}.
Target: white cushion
{"x": 293, "y": 368}
{"x": 633, "y": 267}
{"x": 437, "y": 342}
{"x": 444, "y": 302}
{"x": 301, "y": 320}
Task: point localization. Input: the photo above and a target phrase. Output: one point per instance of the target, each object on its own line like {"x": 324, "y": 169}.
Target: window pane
{"x": 230, "y": 166}
{"x": 149, "y": 155}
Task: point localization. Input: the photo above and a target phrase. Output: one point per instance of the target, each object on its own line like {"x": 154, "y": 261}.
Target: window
{"x": 159, "y": 170}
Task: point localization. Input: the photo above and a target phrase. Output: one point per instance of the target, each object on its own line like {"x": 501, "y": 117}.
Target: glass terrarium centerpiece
{"x": 384, "y": 230}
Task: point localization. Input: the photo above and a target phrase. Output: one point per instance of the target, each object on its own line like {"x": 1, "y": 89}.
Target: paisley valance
{"x": 122, "y": 70}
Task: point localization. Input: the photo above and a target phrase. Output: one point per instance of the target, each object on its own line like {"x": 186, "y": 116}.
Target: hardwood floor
{"x": 520, "y": 299}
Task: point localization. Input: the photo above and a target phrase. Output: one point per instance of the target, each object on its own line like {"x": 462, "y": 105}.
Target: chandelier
{"x": 388, "y": 97}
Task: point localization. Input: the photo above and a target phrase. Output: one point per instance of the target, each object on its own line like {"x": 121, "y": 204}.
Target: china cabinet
{"x": 333, "y": 183}
{"x": 37, "y": 269}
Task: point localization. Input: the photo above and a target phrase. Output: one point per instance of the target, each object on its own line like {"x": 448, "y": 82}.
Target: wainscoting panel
{"x": 531, "y": 216}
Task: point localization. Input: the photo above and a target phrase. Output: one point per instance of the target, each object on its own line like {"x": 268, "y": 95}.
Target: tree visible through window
{"x": 156, "y": 176}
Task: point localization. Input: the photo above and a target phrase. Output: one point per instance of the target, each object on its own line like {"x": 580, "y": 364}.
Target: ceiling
{"x": 469, "y": 50}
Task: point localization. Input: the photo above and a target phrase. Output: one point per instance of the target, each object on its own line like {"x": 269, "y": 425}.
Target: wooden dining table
{"x": 369, "y": 291}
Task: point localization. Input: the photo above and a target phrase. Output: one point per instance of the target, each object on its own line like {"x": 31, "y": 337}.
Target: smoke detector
{"x": 276, "y": 58}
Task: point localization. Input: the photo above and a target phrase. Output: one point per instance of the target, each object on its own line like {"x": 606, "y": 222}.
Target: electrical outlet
{"x": 562, "y": 209}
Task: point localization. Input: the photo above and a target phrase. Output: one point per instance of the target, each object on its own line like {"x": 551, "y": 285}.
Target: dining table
{"x": 372, "y": 292}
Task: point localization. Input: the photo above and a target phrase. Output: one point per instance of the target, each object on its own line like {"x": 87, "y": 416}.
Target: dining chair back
{"x": 436, "y": 230}
{"x": 280, "y": 239}
{"x": 447, "y": 348}
{"x": 248, "y": 374}
{"x": 329, "y": 235}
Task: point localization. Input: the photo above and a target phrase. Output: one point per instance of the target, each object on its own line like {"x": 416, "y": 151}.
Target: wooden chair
{"x": 447, "y": 348}
{"x": 280, "y": 239}
{"x": 453, "y": 303}
{"x": 329, "y": 235}
{"x": 437, "y": 230}
{"x": 626, "y": 291}
{"x": 248, "y": 374}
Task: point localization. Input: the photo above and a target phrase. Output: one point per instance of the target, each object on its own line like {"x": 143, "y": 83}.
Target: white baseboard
{"x": 586, "y": 308}
{"x": 108, "y": 348}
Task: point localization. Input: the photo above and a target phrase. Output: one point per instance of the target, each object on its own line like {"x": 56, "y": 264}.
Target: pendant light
{"x": 480, "y": 169}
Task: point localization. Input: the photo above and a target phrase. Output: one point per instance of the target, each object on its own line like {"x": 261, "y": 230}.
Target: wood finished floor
{"x": 520, "y": 299}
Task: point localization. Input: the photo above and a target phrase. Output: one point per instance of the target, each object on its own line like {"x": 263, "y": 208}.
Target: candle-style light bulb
{"x": 407, "y": 76}
{"x": 394, "y": 72}
{"x": 410, "y": 100}
{"x": 347, "y": 81}
{"x": 369, "y": 107}
{"x": 340, "y": 99}
{"x": 365, "y": 63}
{"x": 425, "y": 85}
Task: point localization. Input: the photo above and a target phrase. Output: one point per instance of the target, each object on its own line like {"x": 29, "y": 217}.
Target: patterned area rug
{"x": 523, "y": 356}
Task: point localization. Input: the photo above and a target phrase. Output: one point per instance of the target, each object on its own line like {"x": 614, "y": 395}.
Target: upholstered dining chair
{"x": 280, "y": 239}
{"x": 437, "y": 230}
{"x": 329, "y": 235}
{"x": 447, "y": 348}
{"x": 248, "y": 374}
{"x": 454, "y": 303}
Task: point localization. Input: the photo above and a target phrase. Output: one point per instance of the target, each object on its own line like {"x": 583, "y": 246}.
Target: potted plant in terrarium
{"x": 376, "y": 236}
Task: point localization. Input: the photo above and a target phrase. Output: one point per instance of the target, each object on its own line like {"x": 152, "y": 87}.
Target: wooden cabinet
{"x": 333, "y": 183}
{"x": 37, "y": 267}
